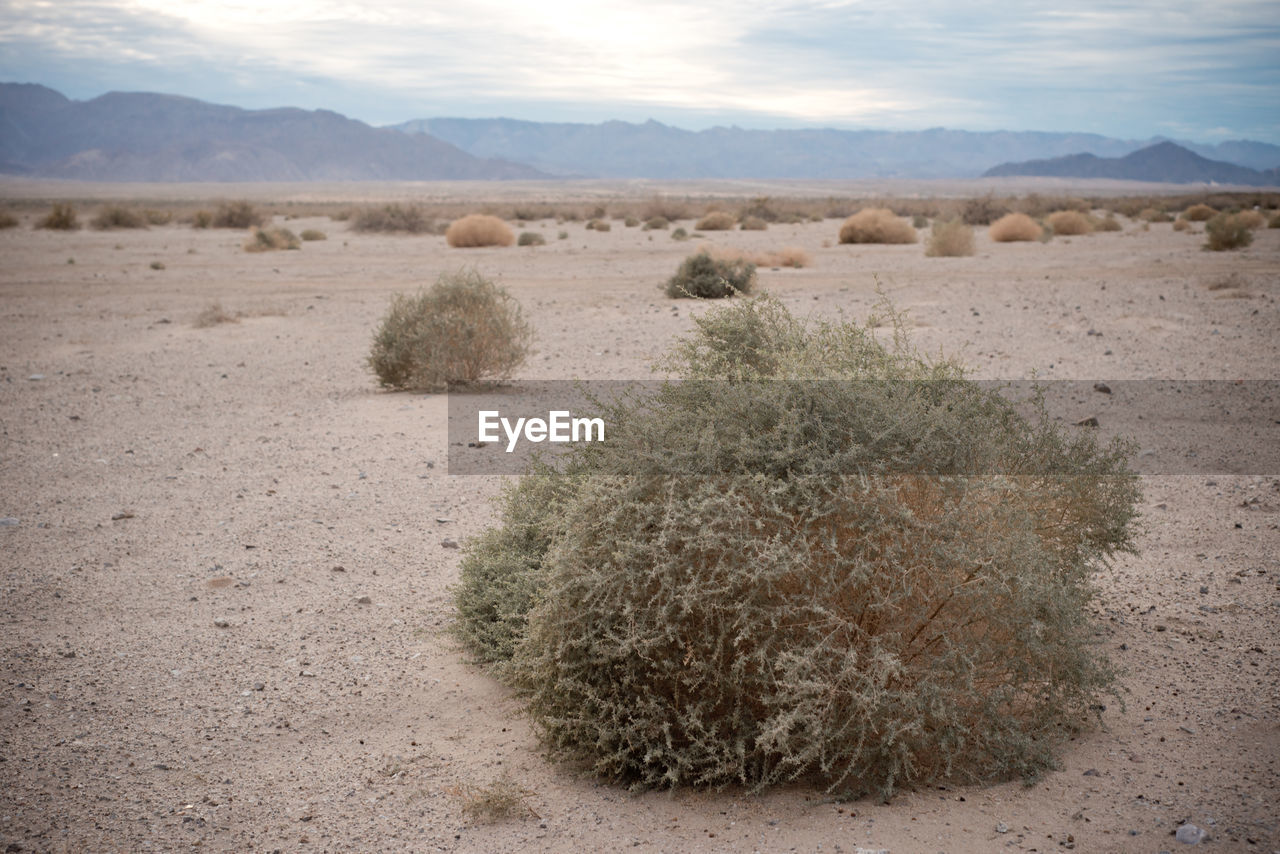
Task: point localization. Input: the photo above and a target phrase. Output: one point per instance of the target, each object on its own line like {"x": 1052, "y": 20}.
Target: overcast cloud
{"x": 1192, "y": 70}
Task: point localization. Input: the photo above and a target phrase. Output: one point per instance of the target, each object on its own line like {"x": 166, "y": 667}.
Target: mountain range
{"x": 155, "y": 137}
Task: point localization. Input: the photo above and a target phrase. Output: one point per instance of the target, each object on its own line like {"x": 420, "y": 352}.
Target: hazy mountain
{"x": 1164, "y": 161}
{"x": 150, "y": 137}
{"x": 654, "y": 150}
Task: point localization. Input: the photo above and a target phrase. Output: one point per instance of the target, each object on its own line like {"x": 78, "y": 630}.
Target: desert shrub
{"x": 599, "y": 225}
{"x": 656, "y": 223}
{"x": 202, "y": 219}
{"x": 1274, "y": 222}
{"x": 630, "y": 222}
{"x": 531, "y": 238}
{"x": 157, "y": 217}
{"x": 311, "y": 234}
{"x": 876, "y": 225}
{"x": 703, "y": 276}
{"x": 239, "y": 214}
{"x": 479, "y": 230}
{"x": 500, "y": 800}
{"x": 1069, "y": 222}
{"x": 1251, "y": 219}
{"x": 753, "y": 223}
{"x": 272, "y": 239}
{"x": 950, "y": 239}
{"x": 748, "y": 585}
{"x": 1107, "y": 223}
{"x": 1181, "y": 225}
{"x": 983, "y": 210}
{"x": 716, "y": 221}
{"x": 1198, "y": 213}
{"x": 679, "y": 234}
{"x": 463, "y": 329}
{"x": 1227, "y": 231}
{"x": 118, "y": 216}
{"x": 761, "y": 207}
{"x": 212, "y": 315}
{"x": 919, "y": 221}
{"x": 61, "y": 217}
{"x": 1153, "y": 215}
{"x": 1014, "y": 227}
{"x": 8, "y": 220}
{"x": 563, "y": 235}
{"x": 664, "y": 208}
{"x": 392, "y": 218}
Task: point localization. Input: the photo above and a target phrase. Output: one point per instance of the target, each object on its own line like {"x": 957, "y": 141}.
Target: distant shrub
{"x": 787, "y": 256}
{"x": 983, "y": 210}
{"x": 479, "y": 230}
{"x": 599, "y": 225}
{"x": 7, "y": 220}
{"x": 630, "y": 222}
{"x": 656, "y": 223}
{"x": 157, "y": 265}
{"x": 760, "y": 207}
{"x": 664, "y": 208}
{"x": 531, "y": 238}
{"x": 679, "y": 234}
{"x": 563, "y": 235}
{"x": 1069, "y": 223}
{"x": 61, "y": 217}
{"x": 876, "y": 225}
{"x": 1181, "y": 225}
{"x": 1251, "y": 219}
{"x": 212, "y": 315}
{"x": 1014, "y": 227}
{"x": 1153, "y": 215}
{"x": 155, "y": 217}
{"x": 463, "y": 329}
{"x": 792, "y": 219}
{"x": 202, "y": 219}
{"x": 949, "y": 239}
{"x": 703, "y": 277}
{"x": 311, "y": 234}
{"x": 271, "y": 239}
{"x": 1227, "y": 231}
{"x": 239, "y": 214}
{"x": 118, "y": 216}
{"x": 1198, "y": 213}
{"x": 753, "y": 223}
{"x": 716, "y": 221}
{"x": 1107, "y": 223}
{"x": 392, "y": 219}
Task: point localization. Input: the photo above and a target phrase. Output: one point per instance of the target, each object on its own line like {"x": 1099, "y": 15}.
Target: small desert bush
{"x": 157, "y": 217}
{"x": 531, "y": 238}
{"x": 783, "y": 568}
{"x": 950, "y": 239}
{"x": 392, "y": 219}
{"x": 239, "y": 214}
{"x": 463, "y": 329}
{"x": 1153, "y": 215}
{"x": 753, "y": 223}
{"x": 1069, "y": 222}
{"x": 311, "y": 234}
{"x": 1198, "y": 213}
{"x": 202, "y": 219}
{"x": 656, "y": 223}
{"x": 8, "y": 220}
{"x": 1107, "y": 223}
{"x": 479, "y": 230}
{"x": 1251, "y": 219}
{"x": 983, "y": 210}
{"x": 1227, "y": 231}
{"x": 1181, "y": 225}
{"x": 272, "y": 239}
{"x": 716, "y": 221}
{"x": 118, "y": 216}
{"x": 703, "y": 276}
{"x": 212, "y": 315}
{"x": 679, "y": 233}
{"x": 630, "y": 222}
{"x": 598, "y": 225}
{"x": 1014, "y": 227}
{"x": 500, "y": 800}
{"x": 876, "y": 225}
{"x": 61, "y": 217}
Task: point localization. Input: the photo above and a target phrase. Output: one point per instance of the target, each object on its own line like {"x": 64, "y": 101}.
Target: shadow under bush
{"x": 751, "y": 583}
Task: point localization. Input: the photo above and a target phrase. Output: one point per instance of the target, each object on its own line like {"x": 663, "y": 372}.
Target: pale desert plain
{"x": 227, "y": 553}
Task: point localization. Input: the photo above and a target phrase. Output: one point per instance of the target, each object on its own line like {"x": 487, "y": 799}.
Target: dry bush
{"x": 951, "y": 239}
{"x": 157, "y": 217}
{"x": 656, "y": 223}
{"x": 239, "y": 214}
{"x": 983, "y": 210}
{"x": 212, "y": 315}
{"x": 630, "y": 222}
{"x": 61, "y": 217}
{"x": 753, "y": 223}
{"x": 531, "y": 238}
{"x": 1069, "y": 223}
{"x": 479, "y": 230}
{"x": 1181, "y": 225}
{"x": 1014, "y": 227}
{"x": 1154, "y": 215}
{"x": 716, "y": 221}
{"x": 1106, "y": 223}
{"x": 272, "y": 239}
{"x": 118, "y": 216}
{"x": 392, "y": 219}
{"x": 598, "y": 225}
{"x": 679, "y": 234}
{"x": 1226, "y": 232}
{"x": 703, "y": 276}
{"x": 202, "y": 219}
{"x": 7, "y": 220}
{"x": 762, "y": 208}
{"x": 1251, "y": 219}
{"x": 876, "y": 225}
{"x": 463, "y": 329}
{"x": 500, "y": 800}
{"x": 668, "y": 209}
{"x": 1198, "y": 213}
{"x": 311, "y": 234}
{"x": 784, "y": 569}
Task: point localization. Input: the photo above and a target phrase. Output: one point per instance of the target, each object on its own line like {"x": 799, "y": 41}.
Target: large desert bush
{"x": 393, "y": 218}
{"x": 61, "y": 217}
{"x": 1014, "y": 227}
{"x": 704, "y": 276}
{"x": 1069, "y": 222}
{"x": 479, "y": 230}
{"x": 462, "y": 329}
{"x": 240, "y": 214}
{"x": 1227, "y": 231}
{"x": 876, "y": 225}
{"x": 118, "y": 216}
{"x": 1199, "y": 213}
{"x": 949, "y": 239}
{"x": 819, "y": 558}
{"x": 716, "y": 221}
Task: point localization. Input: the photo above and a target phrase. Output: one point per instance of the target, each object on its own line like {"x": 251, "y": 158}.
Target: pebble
{"x": 449, "y": 543}
{"x": 363, "y": 600}
{"x": 222, "y": 624}
{"x": 1091, "y": 421}
{"x": 1189, "y": 834}
{"x": 1102, "y": 388}
{"x": 9, "y": 522}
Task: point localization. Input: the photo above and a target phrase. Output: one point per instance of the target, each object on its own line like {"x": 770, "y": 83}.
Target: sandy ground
{"x": 188, "y": 658}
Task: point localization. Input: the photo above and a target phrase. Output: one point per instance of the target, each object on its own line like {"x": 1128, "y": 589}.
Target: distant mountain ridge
{"x": 1164, "y": 161}
{"x": 149, "y": 137}
{"x": 653, "y": 150}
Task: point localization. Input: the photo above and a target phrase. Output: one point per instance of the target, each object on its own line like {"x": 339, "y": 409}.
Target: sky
{"x": 1200, "y": 71}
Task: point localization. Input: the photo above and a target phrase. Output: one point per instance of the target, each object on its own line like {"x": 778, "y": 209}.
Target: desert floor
{"x": 194, "y": 517}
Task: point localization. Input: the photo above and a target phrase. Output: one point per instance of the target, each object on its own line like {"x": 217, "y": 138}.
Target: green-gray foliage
{"x": 783, "y": 568}
{"x": 1227, "y": 231}
{"x": 704, "y": 277}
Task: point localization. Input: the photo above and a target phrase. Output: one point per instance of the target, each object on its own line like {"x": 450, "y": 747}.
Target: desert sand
{"x": 226, "y": 580}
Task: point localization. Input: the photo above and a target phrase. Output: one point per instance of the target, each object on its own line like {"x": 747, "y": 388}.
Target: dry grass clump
{"x": 500, "y": 800}
{"x": 952, "y": 239}
{"x": 392, "y": 219}
{"x": 783, "y": 568}
{"x": 1227, "y": 231}
{"x": 704, "y": 276}
{"x": 876, "y": 225}
{"x": 312, "y": 234}
{"x": 531, "y": 238}
{"x": 753, "y": 223}
{"x": 1106, "y": 223}
{"x": 1251, "y": 219}
{"x": 1068, "y": 223}
{"x": 1181, "y": 225}
{"x": 239, "y": 214}
{"x": 272, "y": 239}
{"x": 1014, "y": 227}
{"x": 463, "y": 329}
{"x": 61, "y": 217}
{"x": 716, "y": 221}
{"x": 212, "y": 315}
{"x": 7, "y": 220}
{"x": 1199, "y": 213}
{"x": 656, "y": 223}
{"x": 117, "y": 216}
{"x": 479, "y": 230}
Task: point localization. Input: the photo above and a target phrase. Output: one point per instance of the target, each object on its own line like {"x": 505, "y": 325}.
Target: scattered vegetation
{"x": 240, "y": 214}
{"x": 1069, "y": 223}
{"x": 703, "y": 276}
{"x": 1199, "y": 213}
{"x": 716, "y": 221}
{"x": 463, "y": 329}
{"x": 531, "y": 238}
{"x": 272, "y": 239}
{"x": 753, "y": 223}
{"x": 117, "y": 216}
{"x": 1154, "y": 215}
{"x": 598, "y": 225}
{"x": 393, "y": 218}
{"x": 61, "y": 217}
{"x": 983, "y": 210}
{"x": 312, "y": 234}
{"x": 1015, "y": 227}
{"x": 656, "y": 223}
{"x": 475, "y": 230}
{"x": 1227, "y": 231}
{"x": 876, "y": 225}
{"x": 664, "y": 208}
{"x": 950, "y": 239}
{"x": 212, "y": 315}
